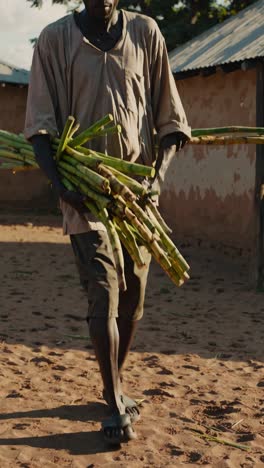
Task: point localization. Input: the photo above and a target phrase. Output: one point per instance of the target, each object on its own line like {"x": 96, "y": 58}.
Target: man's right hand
{"x": 44, "y": 157}
{"x": 74, "y": 199}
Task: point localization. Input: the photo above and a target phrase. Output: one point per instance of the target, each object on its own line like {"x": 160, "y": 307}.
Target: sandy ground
{"x": 197, "y": 361}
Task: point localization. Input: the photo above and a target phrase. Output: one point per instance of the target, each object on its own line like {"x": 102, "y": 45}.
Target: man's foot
{"x": 131, "y": 406}
{"x": 118, "y": 429}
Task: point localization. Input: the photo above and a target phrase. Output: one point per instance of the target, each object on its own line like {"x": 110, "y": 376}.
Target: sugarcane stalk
{"x": 130, "y": 242}
{"x": 64, "y": 140}
{"x": 141, "y": 215}
{"x": 132, "y": 184}
{"x": 13, "y": 137}
{"x": 124, "y": 240}
{"x": 172, "y": 250}
{"x": 158, "y": 216}
{"x": 199, "y": 132}
{"x": 96, "y": 180}
{"x": 84, "y": 189}
{"x": 227, "y": 140}
{"x": 108, "y": 131}
{"x": 17, "y": 157}
{"x": 73, "y": 131}
{"x": 117, "y": 249}
{"x": 117, "y": 163}
{"x": 13, "y": 142}
{"x": 116, "y": 186}
{"x": 177, "y": 262}
{"x": 29, "y": 154}
{"x": 67, "y": 184}
{"x": 87, "y": 175}
{"x": 100, "y": 133}
{"x": 93, "y": 130}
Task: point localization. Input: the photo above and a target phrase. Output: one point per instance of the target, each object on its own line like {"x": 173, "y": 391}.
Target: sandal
{"x": 132, "y": 408}
{"x": 118, "y": 429}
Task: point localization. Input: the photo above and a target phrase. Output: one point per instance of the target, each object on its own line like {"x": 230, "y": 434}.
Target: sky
{"x": 18, "y": 24}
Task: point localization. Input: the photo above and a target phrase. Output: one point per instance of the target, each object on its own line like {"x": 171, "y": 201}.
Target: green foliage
{"x": 179, "y": 20}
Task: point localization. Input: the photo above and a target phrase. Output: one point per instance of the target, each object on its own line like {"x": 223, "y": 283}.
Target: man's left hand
{"x": 177, "y": 139}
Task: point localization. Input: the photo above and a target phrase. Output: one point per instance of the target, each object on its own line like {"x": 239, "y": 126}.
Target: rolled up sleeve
{"x": 168, "y": 112}
{"x": 41, "y": 101}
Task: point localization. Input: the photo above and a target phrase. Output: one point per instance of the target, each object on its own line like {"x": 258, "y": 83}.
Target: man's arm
{"x": 169, "y": 116}
{"x": 168, "y": 147}
{"x": 44, "y": 157}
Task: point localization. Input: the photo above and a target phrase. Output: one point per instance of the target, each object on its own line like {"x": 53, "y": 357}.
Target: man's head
{"x": 101, "y": 9}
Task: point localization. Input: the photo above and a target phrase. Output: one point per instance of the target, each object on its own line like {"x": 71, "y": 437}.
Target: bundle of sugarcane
{"x": 228, "y": 136}
{"x": 113, "y": 195}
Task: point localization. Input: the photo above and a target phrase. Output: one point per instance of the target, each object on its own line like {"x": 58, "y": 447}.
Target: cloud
{"x": 18, "y": 24}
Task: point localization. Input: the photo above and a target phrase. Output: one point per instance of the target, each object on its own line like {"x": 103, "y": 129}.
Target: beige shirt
{"x": 132, "y": 81}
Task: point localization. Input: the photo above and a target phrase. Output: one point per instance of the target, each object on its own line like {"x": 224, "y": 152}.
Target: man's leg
{"x": 98, "y": 276}
{"x": 130, "y": 311}
{"x": 105, "y": 339}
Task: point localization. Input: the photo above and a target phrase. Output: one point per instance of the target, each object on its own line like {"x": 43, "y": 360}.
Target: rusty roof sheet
{"x": 239, "y": 38}
{"x": 12, "y": 75}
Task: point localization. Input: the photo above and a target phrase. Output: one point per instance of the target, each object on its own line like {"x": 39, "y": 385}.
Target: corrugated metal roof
{"x": 237, "y": 39}
{"x": 13, "y": 75}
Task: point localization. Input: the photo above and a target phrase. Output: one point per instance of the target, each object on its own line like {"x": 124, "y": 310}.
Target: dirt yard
{"x": 197, "y": 362}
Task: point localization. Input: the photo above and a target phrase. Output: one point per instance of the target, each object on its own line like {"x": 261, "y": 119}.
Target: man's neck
{"x": 101, "y": 25}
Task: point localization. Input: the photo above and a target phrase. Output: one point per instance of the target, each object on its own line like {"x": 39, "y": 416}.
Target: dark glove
{"x": 177, "y": 139}
{"x": 75, "y": 199}
{"x": 169, "y": 145}
{"x": 44, "y": 157}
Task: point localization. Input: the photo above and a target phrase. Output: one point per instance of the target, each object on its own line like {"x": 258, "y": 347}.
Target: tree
{"x": 179, "y": 20}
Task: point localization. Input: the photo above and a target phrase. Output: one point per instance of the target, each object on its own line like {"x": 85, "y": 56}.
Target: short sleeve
{"x": 42, "y": 99}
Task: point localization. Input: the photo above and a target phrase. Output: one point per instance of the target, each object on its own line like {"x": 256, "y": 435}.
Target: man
{"x": 101, "y": 61}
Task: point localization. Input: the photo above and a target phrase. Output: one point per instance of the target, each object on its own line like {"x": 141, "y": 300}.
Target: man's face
{"x": 101, "y": 9}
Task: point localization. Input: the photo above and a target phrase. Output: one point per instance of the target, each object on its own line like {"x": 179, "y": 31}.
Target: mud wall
{"x": 209, "y": 191}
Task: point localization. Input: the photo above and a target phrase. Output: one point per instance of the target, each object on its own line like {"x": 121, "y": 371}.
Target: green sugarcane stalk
{"x": 124, "y": 239}
{"x": 95, "y": 179}
{"x": 5, "y": 165}
{"x": 177, "y": 263}
{"x": 117, "y": 163}
{"x": 67, "y": 184}
{"x": 4, "y": 134}
{"x": 116, "y": 186}
{"x": 121, "y": 210}
{"x": 141, "y": 215}
{"x": 158, "y": 216}
{"x": 100, "y": 133}
{"x": 101, "y": 200}
{"x": 29, "y": 154}
{"x": 117, "y": 249}
{"x": 93, "y": 130}
{"x": 198, "y": 132}
{"x": 82, "y": 173}
{"x": 130, "y": 242}
{"x": 73, "y": 131}
{"x": 17, "y": 157}
{"x": 64, "y": 140}
{"x": 130, "y": 183}
{"x": 109, "y": 131}
{"x": 170, "y": 247}
{"x": 13, "y": 143}
{"x": 227, "y": 140}
{"x": 150, "y": 241}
